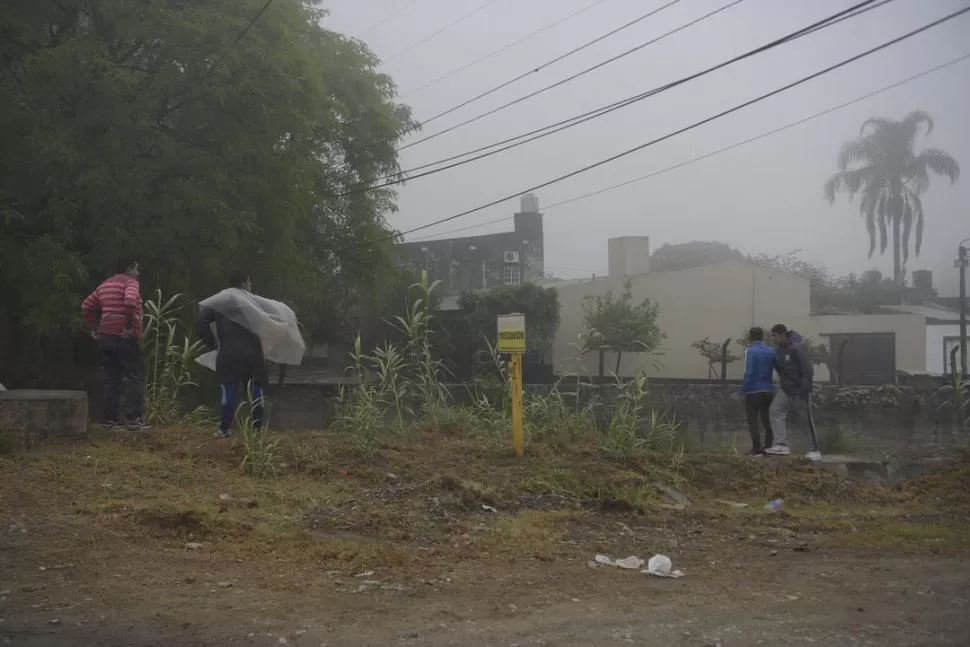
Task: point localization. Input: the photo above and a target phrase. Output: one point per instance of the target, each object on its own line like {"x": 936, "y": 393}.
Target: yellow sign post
{"x": 511, "y": 340}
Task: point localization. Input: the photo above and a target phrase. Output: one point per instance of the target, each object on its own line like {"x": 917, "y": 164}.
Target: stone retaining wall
{"x": 41, "y": 415}
{"x": 881, "y": 419}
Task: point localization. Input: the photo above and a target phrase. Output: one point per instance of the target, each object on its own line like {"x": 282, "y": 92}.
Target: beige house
{"x": 722, "y": 301}
{"x": 715, "y": 301}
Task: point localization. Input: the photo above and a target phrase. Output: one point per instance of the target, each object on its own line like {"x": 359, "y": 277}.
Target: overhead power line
{"x": 561, "y": 82}
{"x": 545, "y": 131}
{"x": 394, "y": 14}
{"x": 421, "y": 42}
{"x": 513, "y": 80}
{"x": 541, "y": 67}
{"x": 238, "y": 38}
{"x": 680, "y": 131}
{"x": 529, "y": 36}
{"x": 725, "y": 149}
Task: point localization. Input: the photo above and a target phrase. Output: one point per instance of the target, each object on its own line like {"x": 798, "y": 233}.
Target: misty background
{"x": 764, "y": 197}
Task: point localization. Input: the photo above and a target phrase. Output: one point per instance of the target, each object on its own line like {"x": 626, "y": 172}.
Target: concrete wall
{"x": 909, "y": 329}
{"x": 629, "y": 255}
{"x": 716, "y": 301}
{"x": 938, "y": 360}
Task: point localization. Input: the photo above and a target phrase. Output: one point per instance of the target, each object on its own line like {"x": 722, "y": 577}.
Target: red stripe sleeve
{"x": 131, "y": 296}
{"x": 88, "y": 307}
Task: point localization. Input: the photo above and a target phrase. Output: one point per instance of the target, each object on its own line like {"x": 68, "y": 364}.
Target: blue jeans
{"x": 230, "y": 399}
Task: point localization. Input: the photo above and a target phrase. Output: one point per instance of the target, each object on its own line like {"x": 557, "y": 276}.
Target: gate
{"x": 865, "y": 358}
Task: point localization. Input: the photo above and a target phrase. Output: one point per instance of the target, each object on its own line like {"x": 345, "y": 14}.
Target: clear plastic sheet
{"x": 272, "y": 321}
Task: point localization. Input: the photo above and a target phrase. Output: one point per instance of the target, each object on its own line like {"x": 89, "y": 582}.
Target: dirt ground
{"x": 164, "y": 541}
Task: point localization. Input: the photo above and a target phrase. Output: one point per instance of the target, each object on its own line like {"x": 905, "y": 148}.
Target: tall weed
{"x": 170, "y": 359}
{"x": 630, "y": 430}
{"x": 362, "y": 411}
{"x": 560, "y": 416}
{"x": 399, "y": 385}
{"x": 620, "y": 438}
{"x": 423, "y": 371}
{"x": 260, "y": 450}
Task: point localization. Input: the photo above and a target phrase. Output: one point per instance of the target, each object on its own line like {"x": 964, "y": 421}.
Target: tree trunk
{"x": 619, "y": 357}
{"x": 897, "y": 264}
{"x": 897, "y": 214}
{"x": 602, "y": 359}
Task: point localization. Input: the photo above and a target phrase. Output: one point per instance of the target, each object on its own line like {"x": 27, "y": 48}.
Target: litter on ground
{"x": 659, "y": 565}
{"x": 733, "y": 504}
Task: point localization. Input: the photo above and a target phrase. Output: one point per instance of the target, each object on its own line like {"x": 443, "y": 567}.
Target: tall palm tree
{"x": 882, "y": 167}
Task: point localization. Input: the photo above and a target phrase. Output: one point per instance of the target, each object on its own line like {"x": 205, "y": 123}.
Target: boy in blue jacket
{"x": 759, "y": 363}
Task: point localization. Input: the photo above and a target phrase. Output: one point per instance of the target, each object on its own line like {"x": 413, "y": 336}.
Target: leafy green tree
{"x": 480, "y": 309}
{"x": 882, "y": 168}
{"x": 620, "y": 325}
{"x": 154, "y": 129}
{"x": 867, "y": 293}
{"x": 669, "y": 258}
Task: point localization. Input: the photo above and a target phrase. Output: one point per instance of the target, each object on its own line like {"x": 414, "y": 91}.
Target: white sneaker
{"x": 814, "y": 456}
{"x": 778, "y": 450}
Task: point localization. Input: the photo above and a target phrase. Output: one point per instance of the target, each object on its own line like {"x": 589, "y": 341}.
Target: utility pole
{"x": 961, "y": 265}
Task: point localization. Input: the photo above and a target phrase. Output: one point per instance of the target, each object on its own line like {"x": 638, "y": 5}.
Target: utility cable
{"x": 421, "y": 42}
{"x": 541, "y": 67}
{"x": 514, "y": 80}
{"x": 235, "y": 42}
{"x": 401, "y": 177}
{"x": 725, "y": 149}
{"x": 680, "y": 131}
{"x": 496, "y": 52}
{"x": 394, "y": 14}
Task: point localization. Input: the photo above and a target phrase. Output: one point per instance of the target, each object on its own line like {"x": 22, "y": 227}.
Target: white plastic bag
{"x": 661, "y": 566}
{"x": 630, "y": 563}
{"x": 273, "y": 322}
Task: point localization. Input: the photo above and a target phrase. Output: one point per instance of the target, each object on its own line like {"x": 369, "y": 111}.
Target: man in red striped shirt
{"x": 118, "y": 332}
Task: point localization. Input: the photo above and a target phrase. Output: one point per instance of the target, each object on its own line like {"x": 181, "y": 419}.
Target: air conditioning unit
{"x": 511, "y": 257}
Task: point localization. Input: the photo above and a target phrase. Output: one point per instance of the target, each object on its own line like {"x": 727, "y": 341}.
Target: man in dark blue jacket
{"x": 759, "y": 365}
{"x": 239, "y": 363}
{"x": 796, "y": 374}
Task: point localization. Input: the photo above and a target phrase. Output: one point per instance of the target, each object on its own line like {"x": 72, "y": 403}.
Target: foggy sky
{"x": 762, "y": 197}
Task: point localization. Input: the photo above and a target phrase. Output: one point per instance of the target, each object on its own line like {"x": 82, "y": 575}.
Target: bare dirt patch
{"x": 162, "y": 539}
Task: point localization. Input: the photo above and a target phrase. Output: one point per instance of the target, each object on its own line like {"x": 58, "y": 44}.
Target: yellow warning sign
{"x": 511, "y": 333}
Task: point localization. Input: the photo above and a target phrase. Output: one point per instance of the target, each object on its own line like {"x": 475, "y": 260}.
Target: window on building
{"x": 511, "y": 275}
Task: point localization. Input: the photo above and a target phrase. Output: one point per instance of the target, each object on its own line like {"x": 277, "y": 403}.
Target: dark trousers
{"x": 757, "y": 407}
{"x": 124, "y": 372}
{"x": 230, "y": 399}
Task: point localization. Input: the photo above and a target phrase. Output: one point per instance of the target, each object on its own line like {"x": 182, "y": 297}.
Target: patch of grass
{"x": 451, "y": 421}
{"x": 8, "y": 443}
{"x": 560, "y": 481}
{"x": 260, "y": 455}
{"x": 308, "y": 456}
{"x": 532, "y": 533}
{"x": 833, "y": 439}
{"x": 949, "y": 487}
{"x": 901, "y": 536}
